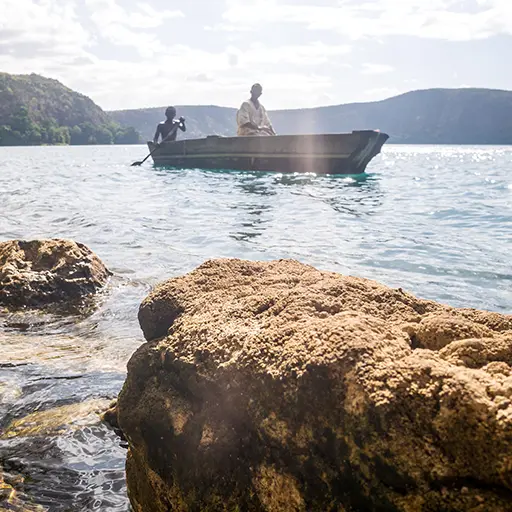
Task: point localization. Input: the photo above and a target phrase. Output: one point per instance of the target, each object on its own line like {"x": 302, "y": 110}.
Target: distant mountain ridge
{"x": 37, "y": 110}
{"x": 430, "y": 116}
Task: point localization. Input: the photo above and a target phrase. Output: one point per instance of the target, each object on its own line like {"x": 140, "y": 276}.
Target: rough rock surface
{"x": 45, "y": 273}
{"x": 277, "y": 387}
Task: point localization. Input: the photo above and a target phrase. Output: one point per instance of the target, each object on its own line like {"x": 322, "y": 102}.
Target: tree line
{"x": 21, "y": 130}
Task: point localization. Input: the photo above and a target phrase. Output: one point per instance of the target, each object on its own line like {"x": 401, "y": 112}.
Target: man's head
{"x": 256, "y": 91}
{"x": 170, "y": 113}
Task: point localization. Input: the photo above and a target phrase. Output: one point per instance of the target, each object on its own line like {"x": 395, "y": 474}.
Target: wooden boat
{"x": 344, "y": 153}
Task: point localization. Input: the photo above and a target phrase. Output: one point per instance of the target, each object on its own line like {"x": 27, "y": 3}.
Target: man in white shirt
{"x": 252, "y": 118}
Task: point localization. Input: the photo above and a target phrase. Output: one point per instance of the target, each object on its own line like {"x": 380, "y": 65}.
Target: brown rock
{"x": 277, "y": 387}
{"x": 57, "y": 420}
{"x": 45, "y": 273}
{"x": 479, "y": 352}
{"x": 110, "y": 416}
{"x": 437, "y": 331}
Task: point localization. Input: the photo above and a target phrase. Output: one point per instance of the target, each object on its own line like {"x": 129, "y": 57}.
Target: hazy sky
{"x": 130, "y": 53}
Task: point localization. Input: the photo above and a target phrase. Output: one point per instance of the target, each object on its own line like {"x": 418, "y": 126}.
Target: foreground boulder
{"x": 277, "y": 387}
{"x": 46, "y": 273}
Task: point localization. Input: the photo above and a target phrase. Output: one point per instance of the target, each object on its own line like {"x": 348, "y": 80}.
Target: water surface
{"x": 436, "y": 221}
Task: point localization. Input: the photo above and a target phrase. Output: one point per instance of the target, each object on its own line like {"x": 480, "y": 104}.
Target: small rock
{"x": 46, "y": 273}
{"x": 55, "y": 421}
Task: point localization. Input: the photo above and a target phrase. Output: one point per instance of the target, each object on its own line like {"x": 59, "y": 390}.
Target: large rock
{"x": 277, "y": 387}
{"x": 45, "y": 273}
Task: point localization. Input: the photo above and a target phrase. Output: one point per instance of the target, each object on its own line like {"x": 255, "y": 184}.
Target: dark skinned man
{"x": 168, "y": 129}
{"x": 252, "y": 118}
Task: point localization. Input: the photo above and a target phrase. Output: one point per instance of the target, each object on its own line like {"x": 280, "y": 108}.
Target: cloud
{"x": 435, "y": 19}
{"x": 310, "y": 54}
{"x": 146, "y": 17}
{"x": 28, "y": 29}
{"x": 376, "y": 69}
{"x": 129, "y": 28}
{"x": 227, "y": 27}
{"x": 380, "y": 93}
{"x": 201, "y": 77}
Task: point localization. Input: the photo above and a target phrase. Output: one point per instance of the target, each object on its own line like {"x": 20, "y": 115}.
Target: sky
{"x": 134, "y": 54}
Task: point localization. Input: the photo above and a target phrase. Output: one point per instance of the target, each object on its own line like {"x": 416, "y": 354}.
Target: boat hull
{"x": 346, "y": 153}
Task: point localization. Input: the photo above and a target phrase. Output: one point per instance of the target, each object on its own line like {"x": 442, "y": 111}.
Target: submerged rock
{"x": 47, "y": 273}
{"x": 277, "y": 387}
{"x": 52, "y": 422}
{"x": 11, "y": 498}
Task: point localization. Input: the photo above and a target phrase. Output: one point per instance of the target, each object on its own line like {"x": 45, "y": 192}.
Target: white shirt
{"x": 248, "y": 113}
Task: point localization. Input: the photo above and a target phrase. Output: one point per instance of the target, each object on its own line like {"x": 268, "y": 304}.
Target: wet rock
{"x": 46, "y": 273}
{"x": 11, "y": 498}
{"x": 277, "y": 387}
{"x": 55, "y": 421}
{"x": 110, "y": 415}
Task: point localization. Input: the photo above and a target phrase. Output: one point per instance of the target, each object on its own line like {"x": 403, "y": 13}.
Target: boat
{"x": 342, "y": 153}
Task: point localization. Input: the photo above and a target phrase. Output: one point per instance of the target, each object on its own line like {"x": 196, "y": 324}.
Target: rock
{"x": 45, "y": 273}
{"x": 277, "y": 387}
{"x": 11, "y": 498}
{"x": 52, "y": 422}
{"x": 110, "y": 415}
{"x": 110, "y": 418}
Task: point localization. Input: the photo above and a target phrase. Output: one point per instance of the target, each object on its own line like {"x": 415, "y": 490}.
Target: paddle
{"x": 142, "y": 161}
{"x": 174, "y": 130}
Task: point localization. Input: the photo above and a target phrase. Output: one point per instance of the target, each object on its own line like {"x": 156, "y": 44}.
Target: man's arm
{"x": 182, "y": 126}
{"x": 250, "y": 125}
{"x": 267, "y": 123}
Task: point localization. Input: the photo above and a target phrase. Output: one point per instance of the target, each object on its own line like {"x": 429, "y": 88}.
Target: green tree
{"x": 35, "y": 136}
{"x": 7, "y": 137}
{"x": 76, "y": 136}
{"x": 20, "y": 121}
{"x": 127, "y": 136}
{"x": 103, "y": 135}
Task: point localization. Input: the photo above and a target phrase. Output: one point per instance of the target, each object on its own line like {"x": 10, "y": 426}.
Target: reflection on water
{"x": 355, "y": 195}
{"x": 254, "y": 209}
{"x": 433, "y": 220}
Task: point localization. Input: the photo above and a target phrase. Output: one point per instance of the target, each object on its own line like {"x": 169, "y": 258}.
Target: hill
{"x": 433, "y": 116}
{"x": 37, "y": 110}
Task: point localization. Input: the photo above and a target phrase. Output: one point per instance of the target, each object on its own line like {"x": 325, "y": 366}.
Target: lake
{"x": 433, "y": 220}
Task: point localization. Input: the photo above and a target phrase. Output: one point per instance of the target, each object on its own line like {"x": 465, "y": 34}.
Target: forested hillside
{"x": 36, "y": 110}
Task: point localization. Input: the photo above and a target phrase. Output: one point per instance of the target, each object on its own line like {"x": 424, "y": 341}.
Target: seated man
{"x": 252, "y": 118}
{"x": 168, "y": 129}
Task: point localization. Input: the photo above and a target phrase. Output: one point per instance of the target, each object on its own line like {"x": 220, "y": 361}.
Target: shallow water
{"x": 436, "y": 221}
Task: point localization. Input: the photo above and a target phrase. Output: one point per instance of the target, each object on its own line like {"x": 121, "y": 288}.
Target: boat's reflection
{"x": 255, "y": 214}
{"x": 264, "y": 193}
{"x": 349, "y": 195}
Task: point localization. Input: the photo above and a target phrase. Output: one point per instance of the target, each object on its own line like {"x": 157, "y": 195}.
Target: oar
{"x": 142, "y": 161}
{"x": 174, "y": 129}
